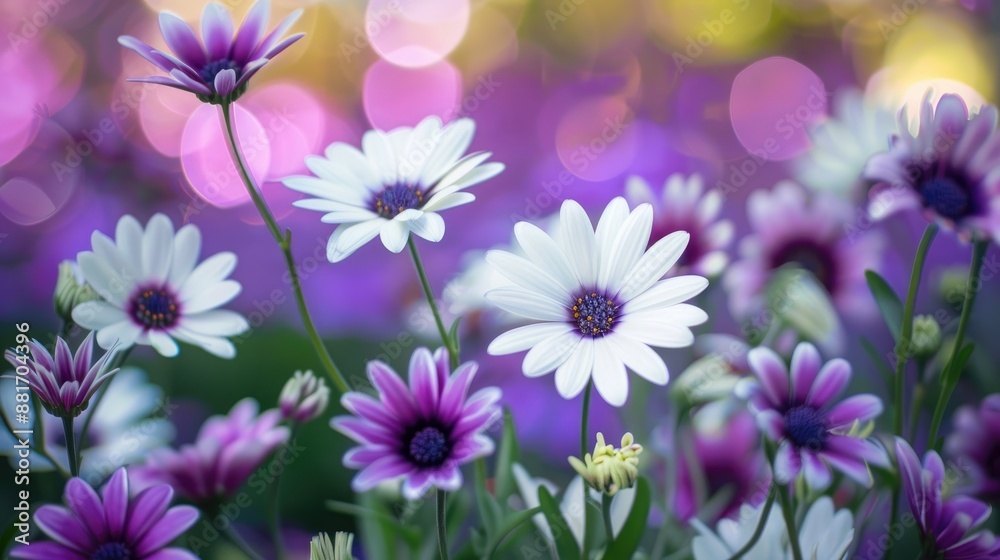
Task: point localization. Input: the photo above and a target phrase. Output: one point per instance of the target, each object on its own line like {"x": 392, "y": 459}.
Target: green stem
{"x": 765, "y": 513}
{"x": 584, "y": 438}
{"x": 284, "y": 243}
{"x": 906, "y": 329}
{"x": 786, "y": 511}
{"x": 442, "y": 529}
{"x": 449, "y": 344}
{"x": 274, "y": 507}
{"x": 236, "y": 539}
{"x": 949, "y": 378}
{"x": 74, "y": 460}
{"x": 606, "y": 513}
{"x": 919, "y": 394}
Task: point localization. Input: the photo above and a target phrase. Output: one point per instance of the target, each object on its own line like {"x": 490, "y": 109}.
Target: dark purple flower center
{"x": 805, "y": 427}
{"x": 811, "y": 256}
{"x": 209, "y": 71}
{"x": 396, "y": 198}
{"x": 428, "y": 447}
{"x": 112, "y": 551}
{"x": 594, "y": 314}
{"x": 947, "y": 197}
{"x": 154, "y": 308}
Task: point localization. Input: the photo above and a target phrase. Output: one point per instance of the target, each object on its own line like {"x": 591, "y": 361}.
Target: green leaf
{"x": 566, "y": 546}
{"x": 628, "y": 539}
{"x": 888, "y": 302}
{"x": 7, "y": 539}
{"x": 887, "y": 375}
{"x": 512, "y": 522}
{"x": 486, "y": 505}
{"x": 453, "y": 335}
{"x": 507, "y": 455}
{"x": 954, "y": 369}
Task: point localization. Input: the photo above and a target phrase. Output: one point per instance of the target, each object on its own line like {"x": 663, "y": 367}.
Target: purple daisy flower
{"x": 424, "y": 432}
{"x": 220, "y": 71}
{"x": 798, "y": 411}
{"x": 976, "y": 441}
{"x": 685, "y": 206}
{"x": 953, "y": 524}
{"x": 111, "y": 526}
{"x": 792, "y": 230}
{"x": 228, "y": 449}
{"x": 950, "y": 171}
{"x": 64, "y": 383}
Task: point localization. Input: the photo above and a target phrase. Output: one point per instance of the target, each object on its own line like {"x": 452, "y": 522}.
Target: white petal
{"x": 128, "y": 237}
{"x": 452, "y": 181}
{"x": 187, "y": 248}
{"x": 627, "y": 249}
{"x": 217, "y": 322}
{"x": 454, "y": 140}
{"x": 656, "y": 333}
{"x": 544, "y": 252}
{"x": 211, "y": 344}
{"x": 324, "y": 205}
{"x": 666, "y": 293}
{"x": 660, "y": 258}
{"x": 394, "y": 234}
{"x": 523, "y": 338}
{"x": 162, "y": 343}
{"x": 639, "y": 358}
{"x": 157, "y": 247}
{"x": 478, "y": 175}
{"x": 682, "y": 314}
{"x": 428, "y": 225}
{"x": 105, "y": 281}
{"x": 350, "y": 237}
{"x": 354, "y": 195}
{"x": 354, "y": 168}
{"x": 527, "y": 274}
{"x": 212, "y": 270}
{"x": 621, "y": 506}
{"x": 438, "y": 203}
{"x": 95, "y": 315}
{"x": 112, "y": 257}
{"x": 210, "y": 297}
{"x": 378, "y": 150}
{"x": 528, "y": 304}
{"x": 609, "y": 374}
{"x": 637, "y": 191}
{"x": 573, "y": 374}
{"x": 578, "y": 241}
{"x": 550, "y": 353}
{"x": 122, "y": 333}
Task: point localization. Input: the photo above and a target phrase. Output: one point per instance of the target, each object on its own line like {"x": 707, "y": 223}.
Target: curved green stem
{"x": 442, "y": 528}
{"x": 786, "y": 511}
{"x": 765, "y": 513}
{"x": 74, "y": 459}
{"x": 606, "y": 514}
{"x": 584, "y": 438}
{"x": 274, "y": 507}
{"x": 949, "y": 378}
{"x": 449, "y": 344}
{"x": 284, "y": 243}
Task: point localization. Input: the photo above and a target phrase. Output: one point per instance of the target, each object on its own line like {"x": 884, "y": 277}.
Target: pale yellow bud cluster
{"x": 608, "y": 469}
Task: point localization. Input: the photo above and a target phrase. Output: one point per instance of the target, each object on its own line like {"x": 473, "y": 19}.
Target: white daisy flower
{"x": 685, "y": 206}
{"x": 599, "y": 299}
{"x": 823, "y": 534}
{"x": 153, "y": 292}
{"x": 396, "y": 185}
{"x": 843, "y": 144}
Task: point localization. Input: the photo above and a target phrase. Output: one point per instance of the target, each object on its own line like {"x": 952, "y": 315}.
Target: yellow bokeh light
{"x": 712, "y": 30}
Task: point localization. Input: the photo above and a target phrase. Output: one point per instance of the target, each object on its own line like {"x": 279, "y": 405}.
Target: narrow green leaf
{"x": 954, "y": 369}
{"x": 453, "y": 335}
{"x": 566, "y": 546}
{"x": 888, "y": 302}
{"x": 887, "y": 374}
{"x": 507, "y": 455}
{"x": 628, "y": 539}
{"x": 7, "y": 539}
{"x": 486, "y": 505}
{"x": 512, "y": 522}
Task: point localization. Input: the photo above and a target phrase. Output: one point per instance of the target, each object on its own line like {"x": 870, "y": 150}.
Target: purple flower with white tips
{"x": 425, "y": 432}
{"x": 976, "y": 441}
{"x": 219, "y": 71}
{"x": 111, "y": 526}
{"x": 952, "y": 524}
{"x": 949, "y": 171}
{"x": 64, "y": 383}
{"x": 797, "y": 410}
{"x": 228, "y": 449}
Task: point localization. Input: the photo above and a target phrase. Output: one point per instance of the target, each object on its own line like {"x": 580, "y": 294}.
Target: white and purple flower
{"x": 798, "y": 411}
{"x": 424, "y": 432}
{"x": 976, "y": 441}
{"x": 219, "y": 71}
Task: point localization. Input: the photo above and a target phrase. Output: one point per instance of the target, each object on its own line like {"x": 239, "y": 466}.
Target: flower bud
{"x": 303, "y": 398}
{"x": 926, "y": 337}
{"x": 608, "y": 470}
{"x": 801, "y": 302}
{"x": 71, "y": 290}
{"x": 322, "y": 548}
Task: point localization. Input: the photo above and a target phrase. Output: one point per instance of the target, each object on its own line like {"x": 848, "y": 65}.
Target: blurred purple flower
{"x": 953, "y": 523}
{"x": 950, "y": 171}
{"x": 111, "y": 526}
{"x": 64, "y": 383}
{"x": 797, "y": 411}
{"x": 220, "y": 71}
{"x": 976, "y": 439}
{"x": 303, "y": 398}
{"x": 424, "y": 432}
{"x": 228, "y": 449}
{"x": 685, "y": 206}
{"x": 790, "y": 230}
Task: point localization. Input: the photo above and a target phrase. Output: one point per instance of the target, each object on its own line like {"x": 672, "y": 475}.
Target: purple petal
{"x": 225, "y": 82}
{"x": 977, "y": 511}
{"x": 85, "y": 503}
{"x": 473, "y": 448}
{"x": 453, "y": 397}
{"x": 115, "y": 494}
{"x": 276, "y": 50}
{"x": 360, "y": 404}
{"x": 772, "y": 374}
{"x": 250, "y": 69}
{"x": 171, "y": 554}
{"x": 147, "y": 508}
{"x": 805, "y": 366}
{"x": 911, "y": 473}
{"x": 216, "y": 31}
{"x": 196, "y": 86}
{"x": 849, "y": 465}
{"x": 274, "y": 36}
{"x": 395, "y": 395}
{"x": 829, "y": 383}
{"x": 387, "y": 468}
{"x": 362, "y": 456}
{"x": 416, "y": 484}
{"x": 250, "y": 32}
{"x": 772, "y": 424}
{"x": 861, "y": 408}
{"x": 162, "y": 81}
{"x": 182, "y": 40}
{"x": 951, "y": 116}
{"x": 787, "y": 463}
{"x": 424, "y": 382}
{"x": 979, "y": 130}
{"x": 45, "y": 551}
{"x": 169, "y": 527}
{"x": 442, "y": 361}
{"x": 145, "y": 51}
{"x": 363, "y": 431}
{"x": 63, "y": 527}
{"x": 858, "y": 448}
{"x": 64, "y": 362}
{"x": 818, "y": 475}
